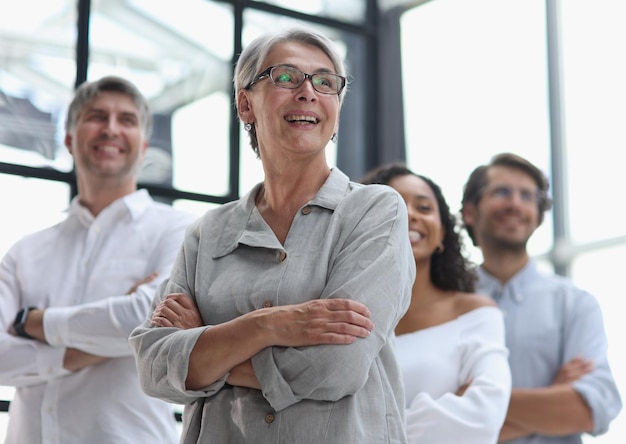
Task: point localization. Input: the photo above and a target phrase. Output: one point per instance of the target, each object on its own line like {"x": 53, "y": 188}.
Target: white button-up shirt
{"x": 80, "y": 271}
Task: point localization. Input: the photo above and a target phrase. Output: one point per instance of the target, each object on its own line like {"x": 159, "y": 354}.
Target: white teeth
{"x": 414, "y": 235}
{"x": 110, "y": 149}
{"x": 302, "y": 118}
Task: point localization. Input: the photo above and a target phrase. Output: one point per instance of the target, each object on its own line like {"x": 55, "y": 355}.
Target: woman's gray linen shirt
{"x": 349, "y": 241}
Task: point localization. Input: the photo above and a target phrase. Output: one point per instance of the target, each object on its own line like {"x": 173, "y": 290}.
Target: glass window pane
{"x": 474, "y": 85}
{"x": 182, "y": 63}
{"x": 469, "y": 95}
{"x": 593, "y": 45}
{"x": 352, "y": 11}
{"x": 33, "y": 204}
{"x": 37, "y": 72}
{"x": 193, "y": 206}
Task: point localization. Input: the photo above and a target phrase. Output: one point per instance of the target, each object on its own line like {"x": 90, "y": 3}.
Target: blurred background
{"x": 440, "y": 84}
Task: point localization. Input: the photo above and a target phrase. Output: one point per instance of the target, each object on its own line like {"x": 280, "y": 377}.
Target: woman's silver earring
{"x": 334, "y": 138}
{"x": 247, "y": 126}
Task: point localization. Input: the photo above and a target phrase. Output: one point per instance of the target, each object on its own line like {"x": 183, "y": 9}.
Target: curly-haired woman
{"x": 450, "y": 342}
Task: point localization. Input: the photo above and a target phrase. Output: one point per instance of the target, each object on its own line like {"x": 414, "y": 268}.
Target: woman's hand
{"x": 227, "y": 347}
{"x": 320, "y": 321}
{"x": 177, "y": 310}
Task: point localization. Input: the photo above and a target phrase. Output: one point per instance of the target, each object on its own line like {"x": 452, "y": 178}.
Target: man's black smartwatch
{"x": 20, "y": 322}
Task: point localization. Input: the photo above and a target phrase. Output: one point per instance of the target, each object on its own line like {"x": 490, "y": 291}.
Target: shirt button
{"x": 269, "y": 418}
{"x": 306, "y": 210}
{"x": 267, "y": 304}
{"x": 282, "y": 256}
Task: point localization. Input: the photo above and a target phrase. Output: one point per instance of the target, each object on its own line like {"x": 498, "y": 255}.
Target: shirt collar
{"x": 134, "y": 204}
{"x": 246, "y": 226}
{"x": 333, "y": 190}
{"x": 137, "y": 203}
{"x": 514, "y": 287}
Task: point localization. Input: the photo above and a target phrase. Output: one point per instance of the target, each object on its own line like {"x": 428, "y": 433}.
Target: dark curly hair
{"x": 450, "y": 269}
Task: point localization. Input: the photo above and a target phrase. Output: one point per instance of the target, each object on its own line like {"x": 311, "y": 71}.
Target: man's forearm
{"x": 510, "y": 432}
{"x": 34, "y": 325}
{"x": 75, "y": 360}
{"x": 555, "y": 410}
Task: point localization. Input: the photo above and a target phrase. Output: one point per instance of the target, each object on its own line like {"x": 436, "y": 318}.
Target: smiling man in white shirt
{"x": 71, "y": 294}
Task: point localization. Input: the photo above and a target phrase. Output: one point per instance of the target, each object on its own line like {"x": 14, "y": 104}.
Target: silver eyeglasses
{"x": 289, "y": 77}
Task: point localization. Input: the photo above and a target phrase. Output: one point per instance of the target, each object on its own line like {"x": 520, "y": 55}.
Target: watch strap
{"x": 20, "y": 322}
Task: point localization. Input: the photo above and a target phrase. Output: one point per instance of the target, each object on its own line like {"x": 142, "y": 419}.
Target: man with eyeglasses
{"x": 562, "y": 383}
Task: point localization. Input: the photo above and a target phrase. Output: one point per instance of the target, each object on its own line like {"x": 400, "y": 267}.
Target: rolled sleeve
{"x": 101, "y": 327}
{"x": 165, "y": 377}
{"x": 588, "y": 339}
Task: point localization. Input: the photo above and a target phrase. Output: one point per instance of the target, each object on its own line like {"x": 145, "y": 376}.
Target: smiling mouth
{"x": 511, "y": 220}
{"x": 108, "y": 149}
{"x": 415, "y": 236}
{"x": 295, "y": 118}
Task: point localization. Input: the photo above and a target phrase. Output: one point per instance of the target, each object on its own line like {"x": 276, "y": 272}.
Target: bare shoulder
{"x": 466, "y": 302}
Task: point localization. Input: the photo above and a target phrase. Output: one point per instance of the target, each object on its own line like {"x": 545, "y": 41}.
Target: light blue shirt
{"x": 349, "y": 241}
{"x": 548, "y": 323}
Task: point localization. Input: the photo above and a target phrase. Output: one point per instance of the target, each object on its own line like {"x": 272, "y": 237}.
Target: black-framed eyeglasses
{"x": 289, "y": 77}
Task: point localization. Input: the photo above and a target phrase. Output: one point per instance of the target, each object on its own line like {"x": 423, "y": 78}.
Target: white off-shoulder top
{"x": 437, "y": 360}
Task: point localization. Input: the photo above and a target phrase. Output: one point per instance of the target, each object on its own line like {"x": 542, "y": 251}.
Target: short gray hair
{"x": 88, "y": 91}
{"x": 253, "y": 56}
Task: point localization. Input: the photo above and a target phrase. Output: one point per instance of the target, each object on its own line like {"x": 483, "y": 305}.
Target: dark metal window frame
{"x": 353, "y": 158}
